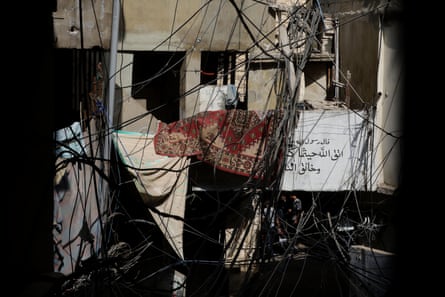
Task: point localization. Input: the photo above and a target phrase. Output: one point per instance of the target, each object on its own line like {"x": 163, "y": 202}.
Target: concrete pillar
{"x": 124, "y": 75}
{"x": 389, "y": 97}
{"x": 190, "y": 80}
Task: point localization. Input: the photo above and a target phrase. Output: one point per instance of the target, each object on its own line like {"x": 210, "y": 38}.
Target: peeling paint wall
{"x": 148, "y": 24}
{"x": 95, "y": 20}
{"x": 191, "y": 24}
{"x": 264, "y": 86}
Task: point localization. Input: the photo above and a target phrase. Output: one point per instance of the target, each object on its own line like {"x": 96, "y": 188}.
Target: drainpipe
{"x": 337, "y": 66}
{"x": 112, "y": 73}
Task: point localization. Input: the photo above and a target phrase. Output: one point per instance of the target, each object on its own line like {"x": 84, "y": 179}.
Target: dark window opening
{"x": 223, "y": 68}
{"x": 156, "y": 77}
{"x": 75, "y": 72}
{"x": 314, "y": 72}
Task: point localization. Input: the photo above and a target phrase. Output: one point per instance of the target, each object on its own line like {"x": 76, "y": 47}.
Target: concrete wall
{"x": 374, "y": 271}
{"x": 358, "y": 54}
{"x": 148, "y": 24}
{"x": 190, "y": 80}
{"x": 390, "y": 104}
{"x": 373, "y": 52}
{"x": 96, "y": 23}
{"x": 169, "y": 25}
{"x": 262, "y": 94}
{"x": 358, "y": 45}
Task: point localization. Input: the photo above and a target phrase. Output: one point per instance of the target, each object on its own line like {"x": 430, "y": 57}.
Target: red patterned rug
{"x": 232, "y": 140}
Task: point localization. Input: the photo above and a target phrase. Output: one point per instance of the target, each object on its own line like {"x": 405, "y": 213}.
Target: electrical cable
{"x": 220, "y": 208}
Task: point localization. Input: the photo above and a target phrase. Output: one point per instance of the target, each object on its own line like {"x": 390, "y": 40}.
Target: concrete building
{"x": 133, "y": 65}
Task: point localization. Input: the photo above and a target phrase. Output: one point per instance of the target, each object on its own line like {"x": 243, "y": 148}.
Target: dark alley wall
{"x": 28, "y": 114}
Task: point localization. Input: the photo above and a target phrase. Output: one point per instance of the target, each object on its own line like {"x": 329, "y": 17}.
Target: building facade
{"x": 138, "y": 74}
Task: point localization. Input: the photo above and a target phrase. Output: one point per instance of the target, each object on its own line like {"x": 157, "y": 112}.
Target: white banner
{"x": 328, "y": 152}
